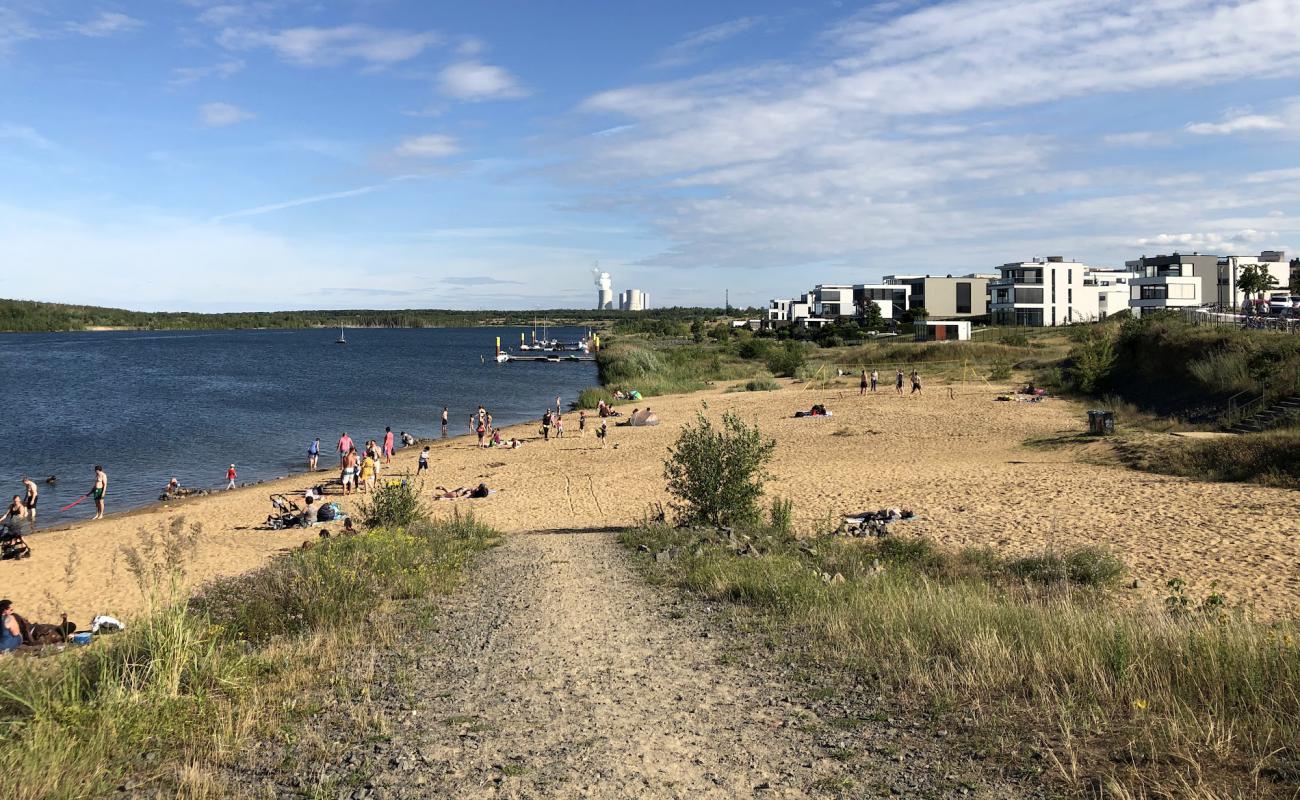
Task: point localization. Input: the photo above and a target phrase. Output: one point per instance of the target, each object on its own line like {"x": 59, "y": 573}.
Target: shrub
{"x": 1013, "y": 338}
{"x": 393, "y": 505}
{"x": 999, "y": 371}
{"x": 1092, "y": 358}
{"x": 754, "y": 349}
{"x": 1085, "y": 566}
{"x": 716, "y": 473}
{"x": 781, "y": 515}
{"x": 1093, "y": 566}
{"x": 786, "y": 361}
{"x": 762, "y": 385}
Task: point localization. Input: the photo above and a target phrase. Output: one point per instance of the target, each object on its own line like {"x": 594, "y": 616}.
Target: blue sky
{"x": 223, "y": 155}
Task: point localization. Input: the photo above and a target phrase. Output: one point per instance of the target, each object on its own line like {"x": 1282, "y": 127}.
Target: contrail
{"x": 316, "y": 198}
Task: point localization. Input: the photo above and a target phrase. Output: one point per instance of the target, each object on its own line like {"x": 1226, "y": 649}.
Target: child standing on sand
{"x": 875, "y": 379}
{"x": 230, "y": 477}
{"x": 388, "y": 445}
{"x": 602, "y": 432}
{"x": 898, "y": 381}
{"x": 559, "y": 426}
{"x": 862, "y": 384}
{"x": 424, "y": 461}
{"x": 582, "y": 424}
{"x": 313, "y": 453}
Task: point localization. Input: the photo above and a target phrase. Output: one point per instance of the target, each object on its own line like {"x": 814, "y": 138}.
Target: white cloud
{"x": 876, "y": 141}
{"x": 108, "y": 23}
{"x": 316, "y": 47}
{"x": 24, "y": 134}
{"x": 1231, "y": 243}
{"x": 1136, "y": 139}
{"x": 184, "y": 76}
{"x": 1239, "y": 124}
{"x": 691, "y": 47}
{"x": 433, "y": 145}
{"x": 217, "y": 115}
{"x": 471, "y": 80}
{"x": 1285, "y": 118}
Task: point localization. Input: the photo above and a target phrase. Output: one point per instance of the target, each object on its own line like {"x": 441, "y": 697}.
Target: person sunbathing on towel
{"x": 456, "y": 494}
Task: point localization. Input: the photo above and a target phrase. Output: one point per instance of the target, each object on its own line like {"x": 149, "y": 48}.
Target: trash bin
{"x": 1101, "y": 423}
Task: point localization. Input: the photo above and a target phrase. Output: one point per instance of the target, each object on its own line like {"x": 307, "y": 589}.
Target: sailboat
{"x": 342, "y": 339}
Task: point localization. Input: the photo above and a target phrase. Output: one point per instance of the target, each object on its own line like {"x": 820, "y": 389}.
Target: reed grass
{"x": 160, "y": 706}
{"x": 651, "y": 370}
{"x": 1196, "y": 701}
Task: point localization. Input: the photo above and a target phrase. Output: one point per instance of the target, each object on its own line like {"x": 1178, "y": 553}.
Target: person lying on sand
{"x": 816, "y": 411}
{"x": 456, "y": 494}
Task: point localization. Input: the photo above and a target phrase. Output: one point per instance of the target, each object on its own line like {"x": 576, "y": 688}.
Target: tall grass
{"x": 1134, "y": 703}
{"x": 1271, "y": 458}
{"x": 687, "y": 368}
{"x": 156, "y": 707}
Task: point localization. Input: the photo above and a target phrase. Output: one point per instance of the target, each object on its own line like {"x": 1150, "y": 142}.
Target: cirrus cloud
{"x": 319, "y": 47}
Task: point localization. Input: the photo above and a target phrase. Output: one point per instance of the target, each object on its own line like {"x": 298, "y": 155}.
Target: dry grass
{"x": 160, "y": 706}
{"x": 1191, "y": 701}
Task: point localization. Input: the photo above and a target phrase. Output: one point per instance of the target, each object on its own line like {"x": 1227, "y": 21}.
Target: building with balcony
{"x": 1173, "y": 281}
{"x": 827, "y": 303}
{"x": 1053, "y": 291}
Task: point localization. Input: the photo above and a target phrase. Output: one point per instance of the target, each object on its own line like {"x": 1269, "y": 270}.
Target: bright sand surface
{"x": 959, "y": 463}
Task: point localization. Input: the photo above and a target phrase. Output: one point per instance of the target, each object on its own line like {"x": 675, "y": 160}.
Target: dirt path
{"x": 562, "y": 667}
{"x": 558, "y": 671}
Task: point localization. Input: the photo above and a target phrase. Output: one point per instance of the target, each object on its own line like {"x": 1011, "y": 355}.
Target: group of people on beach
{"x": 20, "y": 517}
{"x": 872, "y": 380}
{"x": 360, "y": 470}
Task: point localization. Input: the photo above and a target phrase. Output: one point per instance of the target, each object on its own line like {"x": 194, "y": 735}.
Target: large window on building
{"x": 1031, "y": 317}
{"x": 1157, "y": 291}
{"x": 963, "y": 298}
{"x": 1029, "y": 296}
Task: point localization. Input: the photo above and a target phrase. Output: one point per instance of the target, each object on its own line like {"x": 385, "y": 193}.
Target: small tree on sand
{"x": 715, "y": 473}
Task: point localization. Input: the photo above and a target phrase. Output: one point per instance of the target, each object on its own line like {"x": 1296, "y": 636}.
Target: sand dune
{"x": 958, "y": 462}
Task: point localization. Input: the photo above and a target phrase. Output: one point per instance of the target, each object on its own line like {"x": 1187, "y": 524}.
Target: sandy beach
{"x": 959, "y": 463}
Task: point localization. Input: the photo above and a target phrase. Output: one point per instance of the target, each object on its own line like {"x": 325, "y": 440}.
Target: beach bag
{"x": 327, "y": 513}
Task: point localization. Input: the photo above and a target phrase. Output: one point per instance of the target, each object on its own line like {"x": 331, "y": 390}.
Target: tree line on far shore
{"x": 35, "y": 317}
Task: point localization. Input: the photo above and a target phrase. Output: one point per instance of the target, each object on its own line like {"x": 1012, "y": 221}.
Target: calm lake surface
{"x": 152, "y": 405}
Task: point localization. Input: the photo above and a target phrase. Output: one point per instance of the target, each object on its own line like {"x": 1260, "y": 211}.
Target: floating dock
{"x": 506, "y": 358}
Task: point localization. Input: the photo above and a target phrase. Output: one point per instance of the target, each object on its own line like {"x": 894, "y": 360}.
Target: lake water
{"x": 152, "y": 405}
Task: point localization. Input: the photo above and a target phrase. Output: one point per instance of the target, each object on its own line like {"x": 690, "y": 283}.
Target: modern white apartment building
{"x": 1048, "y": 291}
{"x": 1271, "y": 261}
{"x": 829, "y": 302}
{"x": 1173, "y": 281}
{"x": 1180, "y": 280}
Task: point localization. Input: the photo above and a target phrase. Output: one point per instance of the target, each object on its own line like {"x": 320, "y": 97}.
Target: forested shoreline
{"x": 24, "y": 316}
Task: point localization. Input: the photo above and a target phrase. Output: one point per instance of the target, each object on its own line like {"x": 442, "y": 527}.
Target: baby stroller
{"x": 286, "y": 513}
{"x": 12, "y": 544}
